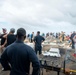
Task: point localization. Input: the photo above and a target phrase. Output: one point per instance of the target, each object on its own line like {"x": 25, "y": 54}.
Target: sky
{"x": 38, "y": 15}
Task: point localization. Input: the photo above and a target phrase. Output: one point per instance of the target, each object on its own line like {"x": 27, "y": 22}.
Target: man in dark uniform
{"x": 19, "y": 55}
{"x": 38, "y": 40}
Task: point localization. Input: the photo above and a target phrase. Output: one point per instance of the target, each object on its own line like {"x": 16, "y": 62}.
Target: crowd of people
{"x": 62, "y": 36}
{"x": 16, "y": 56}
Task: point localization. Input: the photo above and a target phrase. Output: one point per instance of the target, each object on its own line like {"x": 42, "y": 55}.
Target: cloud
{"x": 38, "y": 14}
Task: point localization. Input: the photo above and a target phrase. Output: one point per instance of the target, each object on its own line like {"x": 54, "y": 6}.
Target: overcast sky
{"x": 43, "y": 15}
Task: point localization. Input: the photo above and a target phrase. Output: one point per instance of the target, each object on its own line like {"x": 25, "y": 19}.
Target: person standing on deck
{"x": 71, "y": 37}
{"x": 38, "y": 41}
{"x": 74, "y": 39}
{"x": 19, "y": 55}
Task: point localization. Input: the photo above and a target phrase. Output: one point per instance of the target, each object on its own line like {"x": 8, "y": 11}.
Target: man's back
{"x": 20, "y": 55}
{"x": 38, "y": 40}
{"x": 10, "y": 39}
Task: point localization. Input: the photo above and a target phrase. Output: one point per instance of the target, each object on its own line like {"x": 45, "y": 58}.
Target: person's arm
{"x": 35, "y": 62}
{"x": 4, "y": 36}
{"x": 4, "y": 61}
{"x": 4, "y": 44}
{"x": 43, "y": 39}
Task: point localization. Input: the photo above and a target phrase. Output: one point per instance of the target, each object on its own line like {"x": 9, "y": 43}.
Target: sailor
{"x": 17, "y": 57}
{"x": 38, "y": 41}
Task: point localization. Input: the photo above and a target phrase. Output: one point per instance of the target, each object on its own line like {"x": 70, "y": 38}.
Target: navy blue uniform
{"x": 38, "y": 40}
{"x": 19, "y": 56}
